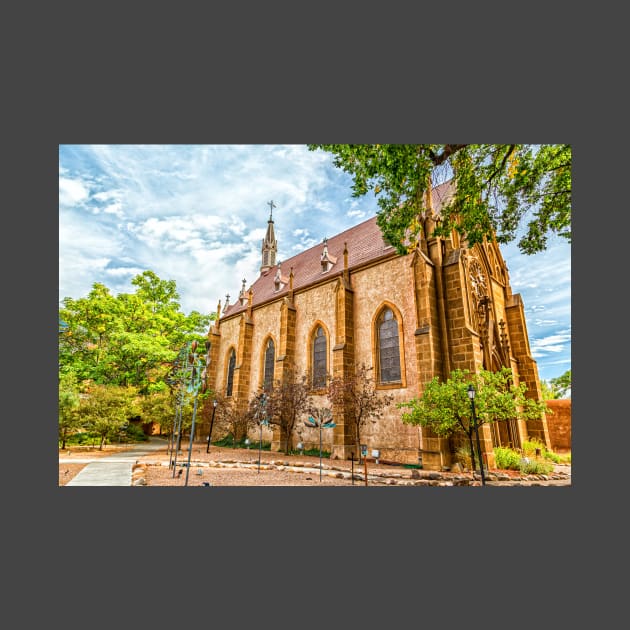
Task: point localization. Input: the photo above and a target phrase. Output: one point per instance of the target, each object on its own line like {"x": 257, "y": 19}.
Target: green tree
{"x": 445, "y": 408}
{"x": 69, "y": 418}
{"x": 561, "y": 385}
{"x": 498, "y": 187}
{"x": 129, "y": 339}
{"x": 106, "y": 409}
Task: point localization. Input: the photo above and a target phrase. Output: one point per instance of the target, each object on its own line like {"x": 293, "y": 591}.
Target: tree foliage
{"x": 357, "y": 393}
{"x": 128, "y": 339}
{"x": 69, "y": 418}
{"x": 559, "y": 387}
{"x": 106, "y": 409}
{"x": 446, "y": 409}
{"x": 498, "y": 188}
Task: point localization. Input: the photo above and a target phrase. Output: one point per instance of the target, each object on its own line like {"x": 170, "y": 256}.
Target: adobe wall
{"x": 559, "y": 424}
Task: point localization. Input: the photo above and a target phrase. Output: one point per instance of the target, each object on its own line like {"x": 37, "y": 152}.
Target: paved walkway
{"x": 115, "y": 469}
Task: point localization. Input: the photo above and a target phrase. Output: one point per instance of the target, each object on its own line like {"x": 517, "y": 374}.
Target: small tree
{"x": 286, "y": 402}
{"x": 445, "y": 407}
{"x": 106, "y": 409}
{"x": 226, "y": 419}
{"x": 69, "y": 419}
{"x": 358, "y": 394}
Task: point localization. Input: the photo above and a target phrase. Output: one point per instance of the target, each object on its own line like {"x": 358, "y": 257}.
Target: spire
{"x": 269, "y": 244}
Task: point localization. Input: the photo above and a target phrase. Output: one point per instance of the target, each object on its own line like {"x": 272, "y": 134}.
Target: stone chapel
{"x": 353, "y": 299}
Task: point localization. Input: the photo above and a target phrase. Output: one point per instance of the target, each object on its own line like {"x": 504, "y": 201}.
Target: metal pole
{"x": 352, "y": 469}
{"x": 214, "y": 408}
{"x": 320, "y": 450}
{"x": 179, "y": 433}
{"x": 483, "y": 478}
{"x": 259, "y": 446}
{"x": 192, "y": 435}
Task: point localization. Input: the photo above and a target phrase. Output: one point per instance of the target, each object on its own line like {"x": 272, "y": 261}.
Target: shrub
{"x": 134, "y": 433}
{"x": 314, "y": 452}
{"x": 507, "y": 458}
{"x": 536, "y": 466}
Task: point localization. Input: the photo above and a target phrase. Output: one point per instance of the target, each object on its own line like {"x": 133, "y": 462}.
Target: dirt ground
{"x": 224, "y": 466}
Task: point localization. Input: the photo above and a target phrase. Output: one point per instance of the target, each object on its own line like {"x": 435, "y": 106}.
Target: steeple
{"x": 269, "y": 244}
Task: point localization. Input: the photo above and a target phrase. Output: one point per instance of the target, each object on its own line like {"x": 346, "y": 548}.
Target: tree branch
{"x": 449, "y": 149}
{"x": 505, "y": 157}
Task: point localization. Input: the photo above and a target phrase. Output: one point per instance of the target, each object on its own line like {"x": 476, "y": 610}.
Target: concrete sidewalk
{"x": 115, "y": 469}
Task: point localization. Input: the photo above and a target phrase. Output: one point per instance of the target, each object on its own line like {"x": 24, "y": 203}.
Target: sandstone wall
{"x": 559, "y": 424}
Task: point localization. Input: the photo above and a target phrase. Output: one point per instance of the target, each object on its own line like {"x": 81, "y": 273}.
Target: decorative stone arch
{"x": 478, "y": 294}
{"x": 228, "y": 370}
{"x": 376, "y": 343}
{"x": 263, "y": 359}
{"x": 310, "y": 353}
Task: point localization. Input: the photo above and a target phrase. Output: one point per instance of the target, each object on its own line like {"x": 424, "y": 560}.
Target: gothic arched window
{"x": 230, "y": 373}
{"x": 269, "y": 363}
{"x": 388, "y": 347}
{"x": 319, "y": 358}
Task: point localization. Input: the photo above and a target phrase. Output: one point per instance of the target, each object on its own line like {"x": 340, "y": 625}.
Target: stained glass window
{"x": 269, "y": 363}
{"x": 319, "y": 358}
{"x": 230, "y": 374}
{"x": 388, "y": 348}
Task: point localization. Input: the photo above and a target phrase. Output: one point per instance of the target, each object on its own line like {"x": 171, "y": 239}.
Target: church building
{"x": 353, "y": 300}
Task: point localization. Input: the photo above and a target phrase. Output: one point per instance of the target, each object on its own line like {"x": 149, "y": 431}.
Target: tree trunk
{"x": 472, "y": 451}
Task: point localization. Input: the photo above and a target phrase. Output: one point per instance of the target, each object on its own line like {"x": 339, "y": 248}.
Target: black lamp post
{"x": 471, "y": 395}
{"x": 214, "y": 408}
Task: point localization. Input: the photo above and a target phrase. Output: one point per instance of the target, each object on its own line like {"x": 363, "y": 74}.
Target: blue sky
{"x": 197, "y": 214}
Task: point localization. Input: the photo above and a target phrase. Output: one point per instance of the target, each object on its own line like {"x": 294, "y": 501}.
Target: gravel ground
{"x": 224, "y": 466}
{"x": 239, "y": 467}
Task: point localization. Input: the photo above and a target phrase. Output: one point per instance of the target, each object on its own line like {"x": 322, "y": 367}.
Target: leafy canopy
{"x": 128, "y": 339}
{"x": 559, "y": 387}
{"x": 445, "y": 407}
{"x": 498, "y": 187}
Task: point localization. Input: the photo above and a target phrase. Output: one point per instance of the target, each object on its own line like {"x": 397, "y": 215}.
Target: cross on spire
{"x": 271, "y": 205}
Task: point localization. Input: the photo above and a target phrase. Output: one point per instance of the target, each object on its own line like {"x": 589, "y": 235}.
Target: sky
{"x": 197, "y": 214}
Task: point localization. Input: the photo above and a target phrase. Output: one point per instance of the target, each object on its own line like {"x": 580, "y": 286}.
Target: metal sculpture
{"x": 189, "y": 377}
{"x": 323, "y": 420}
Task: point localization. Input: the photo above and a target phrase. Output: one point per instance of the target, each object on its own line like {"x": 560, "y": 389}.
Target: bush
{"x": 314, "y": 452}
{"x": 526, "y": 462}
{"x": 134, "y": 433}
{"x": 228, "y": 441}
{"x": 507, "y": 458}
{"x": 536, "y": 466}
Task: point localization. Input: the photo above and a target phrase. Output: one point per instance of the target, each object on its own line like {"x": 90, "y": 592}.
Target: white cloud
{"x": 71, "y": 191}
{"x": 359, "y": 214}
